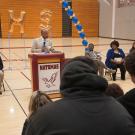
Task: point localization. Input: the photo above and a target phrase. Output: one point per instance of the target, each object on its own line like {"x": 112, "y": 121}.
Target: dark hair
{"x": 114, "y": 43}
{"x": 133, "y": 48}
{"x": 130, "y": 63}
{"x": 114, "y": 90}
{"x": 38, "y": 99}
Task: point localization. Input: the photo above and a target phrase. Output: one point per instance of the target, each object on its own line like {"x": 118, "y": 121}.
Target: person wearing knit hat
{"x": 97, "y": 58}
{"x": 84, "y": 108}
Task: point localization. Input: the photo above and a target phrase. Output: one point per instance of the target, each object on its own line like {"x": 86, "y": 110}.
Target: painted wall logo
{"x": 49, "y": 76}
{"x": 49, "y": 82}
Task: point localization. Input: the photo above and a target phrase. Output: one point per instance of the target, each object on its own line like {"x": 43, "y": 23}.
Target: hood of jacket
{"x": 79, "y": 78}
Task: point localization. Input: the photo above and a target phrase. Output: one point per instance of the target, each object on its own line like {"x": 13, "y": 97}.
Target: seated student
{"x": 43, "y": 44}
{"x": 84, "y": 108}
{"x": 1, "y": 74}
{"x": 37, "y": 100}
{"x": 114, "y": 90}
{"x": 128, "y": 100}
{"x": 133, "y": 48}
{"x": 115, "y": 59}
{"x": 97, "y": 58}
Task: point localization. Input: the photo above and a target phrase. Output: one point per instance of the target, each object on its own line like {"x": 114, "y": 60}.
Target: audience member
{"x": 115, "y": 59}
{"x": 37, "y": 100}
{"x": 42, "y": 44}
{"x": 97, "y": 58}
{"x": 84, "y": 108}
{"x": 114, "y": 90}
{"x": 1, "y": 74}
{"x": 133, "y": 47}
{"x": 128, "y": 100}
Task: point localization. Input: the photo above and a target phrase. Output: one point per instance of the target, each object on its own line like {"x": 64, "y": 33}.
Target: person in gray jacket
{"x": 97, "y": 58}
{"x": 42, "y": 44}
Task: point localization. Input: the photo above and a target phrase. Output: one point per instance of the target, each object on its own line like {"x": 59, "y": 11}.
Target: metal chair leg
{"x": 3, "y": 86}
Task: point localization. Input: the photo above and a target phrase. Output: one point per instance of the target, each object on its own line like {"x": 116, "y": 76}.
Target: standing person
{"x": 97, "y": 58}
{"x": 1, "y": 74}
{"x": 37, "y": 100}
{"x": 133, "y": 48}
{"x": 128, "y": 100}
{"x": 115, "y": 59}
{"x": 84, "y": 108}
{"x": 42, "y": 44}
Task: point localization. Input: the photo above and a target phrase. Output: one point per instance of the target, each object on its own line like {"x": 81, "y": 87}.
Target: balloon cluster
{"x": 75, "y": 21}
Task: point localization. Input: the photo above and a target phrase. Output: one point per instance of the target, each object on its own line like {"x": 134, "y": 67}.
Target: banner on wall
{"x": 49, "y": 77}
{"x": 125, "y": 3}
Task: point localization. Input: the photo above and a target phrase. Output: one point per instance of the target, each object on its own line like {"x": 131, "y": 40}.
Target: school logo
{"x": 49, "y": 77}
{"x": 49, "y": 82}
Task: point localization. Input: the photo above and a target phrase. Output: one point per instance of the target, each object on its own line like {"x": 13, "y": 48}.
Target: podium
{"x": 45, "y": 71}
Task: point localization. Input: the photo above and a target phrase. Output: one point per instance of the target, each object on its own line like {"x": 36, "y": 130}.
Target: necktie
{"x": 44, "y": 44}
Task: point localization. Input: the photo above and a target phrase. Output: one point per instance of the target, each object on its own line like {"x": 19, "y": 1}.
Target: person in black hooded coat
{"x": 128, "y": 100}
{"x": 84, "y": 108}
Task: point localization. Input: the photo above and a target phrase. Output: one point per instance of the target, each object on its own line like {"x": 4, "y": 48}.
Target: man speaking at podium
{"x": 43, "y": 44}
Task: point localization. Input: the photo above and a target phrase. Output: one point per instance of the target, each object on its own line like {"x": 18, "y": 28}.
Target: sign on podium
{"x": 45, "y": 71}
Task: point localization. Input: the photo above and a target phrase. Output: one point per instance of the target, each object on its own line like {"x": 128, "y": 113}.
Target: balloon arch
{"x": 75, "y": 21}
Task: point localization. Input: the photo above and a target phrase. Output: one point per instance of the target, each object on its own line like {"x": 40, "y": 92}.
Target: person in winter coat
{"x": 84, "y": 108}
{"x": 128, "y": 100}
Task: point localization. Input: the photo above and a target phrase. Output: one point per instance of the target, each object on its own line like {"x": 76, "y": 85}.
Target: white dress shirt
{"x": 39, "y": 46}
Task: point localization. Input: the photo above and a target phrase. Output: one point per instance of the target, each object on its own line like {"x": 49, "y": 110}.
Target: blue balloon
{"x": 70, "y": 12}
{"x": 75, "y": 19}
{"x": 85, "y": 42}
{"x": 79, "y": 27}
{"x": 82, "y": 35}
{"x": 65, "y": 4}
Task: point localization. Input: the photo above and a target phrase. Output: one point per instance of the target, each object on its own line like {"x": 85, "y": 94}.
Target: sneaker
{"x": 0, "y": 93}
{"x": 111, "y": 70}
